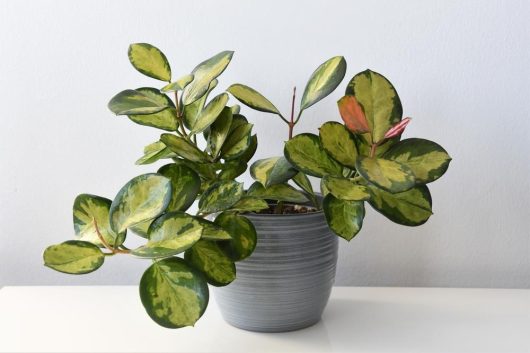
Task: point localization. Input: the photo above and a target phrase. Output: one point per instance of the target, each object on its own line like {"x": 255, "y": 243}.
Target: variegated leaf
{"x": 90, "y": 211}
{"x": 249, "y": 204}
{"x": 219, "y": 131}
{"x": 279, "y": 192}
{"x": 192, "y": 111}
{"x": 132, "y": 102}
{"x": 388, "y": 175}
{"x": 220, "y": 196}
{"x": 250, "y": 151}
{"x": 427, "y": 160}
{"x": 323, "y": 81}
{"x": 270, "y": 171}
{"x": 211, "y": 231}
{"x": 154, "y": 152}
{"x": 169, "y": 235}
{"x": 345, "y": 218}
{"x": 338, "y": 143}
{"x": 305, "y": 153}
{"x": 142, "y": 228}
{"x": 236, "y": 109}
{"x": 207, "y": 257}
{"x": 178, "y": 85}
{"x": 208, "y": 115}
{"x": 346, "y": 189}
{"x": 204, "y": 73}
{"x": 232, "y": 169}
{"x": 142, "y": 198}
{"x": 75, "y": 257}
{"x": 150, "y": 61}
{"x": 173, "y": 293}
{"x": 410, "y": 208}
{"x": 243, "y": 233}
{"x": 184, "y": 148}
{"x": 237, "y": 142}
{"x": 252, "y": 98}
{"x": 379, "y": 100}
{"x": 185, "y": 185}
{"x": 165, "y": 119}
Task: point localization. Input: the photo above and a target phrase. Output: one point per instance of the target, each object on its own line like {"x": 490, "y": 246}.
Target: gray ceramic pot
{"x": 285, "y": 284}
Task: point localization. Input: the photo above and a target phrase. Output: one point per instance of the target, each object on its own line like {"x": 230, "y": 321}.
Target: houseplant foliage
{"x": 207, "y": 144}
{"x": 362, "y": 160}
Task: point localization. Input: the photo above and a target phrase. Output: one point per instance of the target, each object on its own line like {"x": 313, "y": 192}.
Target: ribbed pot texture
{"x": 285, "y": 284}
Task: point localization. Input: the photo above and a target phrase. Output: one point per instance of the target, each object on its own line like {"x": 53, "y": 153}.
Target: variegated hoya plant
{"x": 208, "y": 145}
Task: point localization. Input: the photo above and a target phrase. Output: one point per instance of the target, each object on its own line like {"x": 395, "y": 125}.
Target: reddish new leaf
{"x": 353, "y": 115}
{"x": 398, "y": 128}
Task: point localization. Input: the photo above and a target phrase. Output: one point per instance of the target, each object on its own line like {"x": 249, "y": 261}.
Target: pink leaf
{"x": 398, "y": 128}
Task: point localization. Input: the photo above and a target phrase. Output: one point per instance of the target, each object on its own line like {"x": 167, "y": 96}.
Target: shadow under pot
{"x": 286, "y": 283}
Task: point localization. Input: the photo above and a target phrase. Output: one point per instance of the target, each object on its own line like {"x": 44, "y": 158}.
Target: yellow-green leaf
{"x": 185, "y": 185}
{"x": 279, "y": 192}
{"x": 170, "y": 234}
{"x": 252, "y": 98}
{"x": 154, "y": 152}
{"x": 379, "y": 100}
{"x": 338, "y": 143}
{"x": 150, "y": 61}
{"x": 142, "y": 228}
{"x": 207, "y": 257}
{"x": 249, "y": 204}
{"x": 410, "y": 208}
{"x": 211, "y": 231}
{"x": 323, "y": 81}
{"x": 219, "y": 131}
{"x": 173, "y": 293}
{"x": 192, "y": 111}
{"x": 203, "y": 74}
{"x": 427, "y": 160}
{"x": 243, "y": 233}
{"x": 270, "y": 171}
{"x": 250, "y": 151}
{"x": 208, "y": 115}
{"x": 184, "y": 148}
{"x": 89, "y": 210}
{"x": 388, "y": 175}
{"x": 165, "y": 119}
{"x": 305, "y": 152}
{"x": 132, "y": 102}
{"x": 178, "y": 85}
{"x": 232, "y": 169}
{"x": 237, "y": 142}
{"x": 74, "y": 257}
{"x": 220, "y": 196}
{"x": 346, "y": 189}
{"x": 345, "y": 218}
{"x": 142, "y": 198}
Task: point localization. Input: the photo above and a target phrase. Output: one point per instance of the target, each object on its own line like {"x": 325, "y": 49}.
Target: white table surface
{"x": 357, "y": 319}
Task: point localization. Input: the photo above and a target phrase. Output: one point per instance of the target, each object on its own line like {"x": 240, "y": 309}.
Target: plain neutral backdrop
{"x": 462, "y": 69}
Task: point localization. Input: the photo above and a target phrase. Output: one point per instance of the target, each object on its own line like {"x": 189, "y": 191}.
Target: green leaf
{"x": 346, "y": 189}
{"x": 204, "y": 73}
{"x": 235, "y": 109}
{"x": 427, "y": 160}
{"x": 165, "y": 119}
{"x": 338, "y": 143}
{"x": 252, "y": 98}
{"x": 211, "y": 231}
{"x": 270, "y": 171}
{"x": 379, "y": 100}
{"x": 250, "y": 151}
{"x": 237, "y": 121}
{"x": 173, "y": 293}
{"x": 409, "y": 208}
{"x": 345, "y": 218}
{"x": 220, "y": 196}
{"x": 192, "y": 111}
{"x": 150, "y": 61}
{"x": 142, "y": 198}
{"x": 185, "y": 185}
{"x": 207, "y": 257}
{"x": 388, "y": 175}
{"x": 303, "y": 181}
{"x": 219, "y": 131}
{"x": 232, "y": 169}
{"x": 208, "y": 115}
{"x": 184, "y": 148}
{"x": 205, "y": 170}
{"x": 249, "y": 204}
{"x": 280, "y": 192}
{"x": 323, "y": 81}
{"x": 178, "y": 85}
{"x": 132, "y": 102}
{"x": 75, "y": 257}
{"x": 305, "y": 152}
{"x": 243, "y": 233}
{"x": 154, "y": 152}
{"x": 169, "y": 235}
{"x": 237, "y": 142}
{"x": 142, "y": 228}
{"x": 89, "y": 209}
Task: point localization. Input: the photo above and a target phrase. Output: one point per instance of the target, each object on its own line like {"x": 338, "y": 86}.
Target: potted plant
{"x": 286, "y": 282}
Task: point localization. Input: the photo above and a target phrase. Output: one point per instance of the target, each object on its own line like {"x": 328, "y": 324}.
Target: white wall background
{"x": 460, "y": 67}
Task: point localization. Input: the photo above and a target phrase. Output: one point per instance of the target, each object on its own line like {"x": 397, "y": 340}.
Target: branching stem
{"x": 113, "y": 250}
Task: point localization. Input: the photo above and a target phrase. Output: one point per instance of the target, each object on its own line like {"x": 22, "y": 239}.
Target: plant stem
{"x": 105, "y": 243}
{"x": 372, "y": 150}
{"x": 292, "y": 123}
{"x": 179, "y": 115}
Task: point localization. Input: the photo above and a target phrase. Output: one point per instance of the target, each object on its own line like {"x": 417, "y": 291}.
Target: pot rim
{"x": 307, "y": 214}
